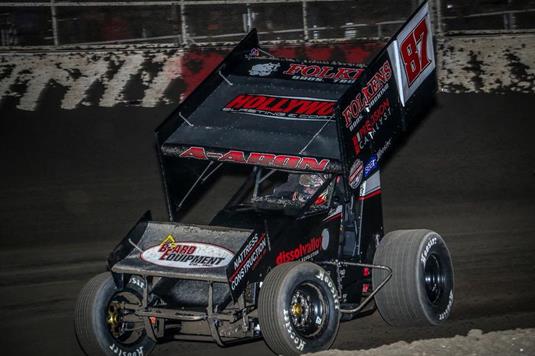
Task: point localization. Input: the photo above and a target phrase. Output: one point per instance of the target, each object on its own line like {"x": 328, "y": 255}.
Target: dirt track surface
{"x": 74, "y": 182}
{"x": 496, "y": 343}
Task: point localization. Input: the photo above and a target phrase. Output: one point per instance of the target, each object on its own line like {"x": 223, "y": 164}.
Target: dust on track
{"x": 496, "y": 343}
{"x": 73, "y": 182}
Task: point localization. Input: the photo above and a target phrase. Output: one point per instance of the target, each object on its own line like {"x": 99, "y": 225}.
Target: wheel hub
{"x": 435, "y": 278}
{"x": 113, "y": 319}
{"x": 297, "y": 310}
{"x": 123, "y": 326}
{"x": 308, "y": 310}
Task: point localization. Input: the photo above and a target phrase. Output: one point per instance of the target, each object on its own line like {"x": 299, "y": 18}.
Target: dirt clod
{"x": 476, "y": 343}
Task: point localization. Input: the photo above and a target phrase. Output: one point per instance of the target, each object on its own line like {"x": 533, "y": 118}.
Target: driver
{"x": 301, "y": 187}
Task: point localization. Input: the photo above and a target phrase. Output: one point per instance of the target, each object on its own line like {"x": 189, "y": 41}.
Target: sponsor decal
{"x": 187, "y": 254}
{"x": 137, "y": 281}
{"x": 414, "y": 51}
{"x": 383, "y": 149}
{"x": 322, "y": 276}
{"x": 425, "y": 253}
{"x": 370, "y": 166}
{"x": 371, "y": 187}
{"x": 355, "y": 174}
{"x": 120, "y": 352}
{"x": 260, "y": 159}
{"x": 264, "y": 69}
{"x": 369, "y": 95}
{"x": 281, "y": 107}
{"x": 302, "y": 252}
{"x": 413, "y": 54}
{"x": 447, "y": 311}
{"x": 248, "y": 259}
{"x": 298, "y": 342}
{"x": 372, "y": 125}
{"x": 313, "y": 72}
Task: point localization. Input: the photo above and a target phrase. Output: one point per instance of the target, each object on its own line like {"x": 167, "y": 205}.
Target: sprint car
{"x": 292, "y": 242}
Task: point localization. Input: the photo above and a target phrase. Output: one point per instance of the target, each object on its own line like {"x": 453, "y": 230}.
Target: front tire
{"x": 298, "y": 309}
{"x": 420, "y": 291}
{"x": 98, "y": 319}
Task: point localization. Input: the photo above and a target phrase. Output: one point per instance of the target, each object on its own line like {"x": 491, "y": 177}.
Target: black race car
{"x": 298, "y": 246}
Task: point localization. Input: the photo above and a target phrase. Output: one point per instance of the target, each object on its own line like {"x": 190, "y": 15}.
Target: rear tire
{"x": 98, "y": 300}
{"x": 420, "y": 291}
{"x": 298, "y": 309}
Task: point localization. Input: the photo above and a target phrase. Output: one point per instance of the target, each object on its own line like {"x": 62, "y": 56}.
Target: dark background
{"x": 204, "y": 22}
{"x": 73, "y": 182}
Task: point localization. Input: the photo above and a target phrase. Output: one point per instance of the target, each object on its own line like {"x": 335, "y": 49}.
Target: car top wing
{"x": 258, "y": 109}
{"x": 311, "y": 116}
{"x": 395, "y": 89}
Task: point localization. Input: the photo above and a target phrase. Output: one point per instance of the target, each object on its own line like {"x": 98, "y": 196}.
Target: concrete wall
{"x": 158, "y": 76}
{"x": 131, "y": 77}
{"x": 487, "y": 64}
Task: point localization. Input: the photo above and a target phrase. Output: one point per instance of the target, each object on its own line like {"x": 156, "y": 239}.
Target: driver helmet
{"x": 308, "y": 185}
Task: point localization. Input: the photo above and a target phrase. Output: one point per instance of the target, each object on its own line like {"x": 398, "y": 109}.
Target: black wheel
{"x": 102, "y": 323}
{"x": 298, "y": 309}
{"x": 420, "y": 291}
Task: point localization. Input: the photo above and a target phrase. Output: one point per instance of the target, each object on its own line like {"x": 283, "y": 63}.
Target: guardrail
{"x": 304, "y": 21}
{"x": 60, "y": 24}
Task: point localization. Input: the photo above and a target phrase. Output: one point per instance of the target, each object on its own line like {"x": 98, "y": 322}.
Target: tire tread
{"x": 272, "y": 284}
{"x": 84, "y": 314}
{"x": 270, "y": 322}
{"x": 398, "y": 301}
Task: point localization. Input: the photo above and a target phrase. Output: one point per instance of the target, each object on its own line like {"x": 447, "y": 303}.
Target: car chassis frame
{"x": 370, "y": 113}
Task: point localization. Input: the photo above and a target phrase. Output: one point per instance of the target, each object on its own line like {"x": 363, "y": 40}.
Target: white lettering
{"x": 447, "y": 311}
{"x": 425, "y": 253}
